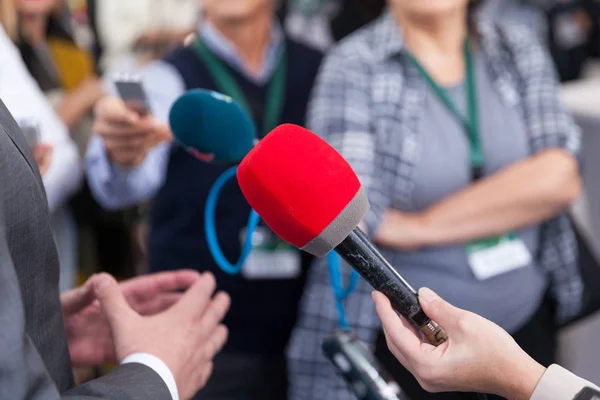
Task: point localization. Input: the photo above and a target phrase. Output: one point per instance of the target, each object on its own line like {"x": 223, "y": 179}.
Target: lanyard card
{"x": 271, "y": 257}
{"x": 492, "y": 257}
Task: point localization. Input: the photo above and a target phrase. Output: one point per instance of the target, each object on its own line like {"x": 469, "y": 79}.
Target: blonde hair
{"x": 9, "y": 18}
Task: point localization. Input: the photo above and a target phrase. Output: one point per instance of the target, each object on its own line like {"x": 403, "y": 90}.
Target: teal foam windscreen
{"x": 214, "y": 124}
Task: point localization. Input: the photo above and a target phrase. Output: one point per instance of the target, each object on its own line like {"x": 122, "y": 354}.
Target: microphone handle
{"x": 362, "y": 255}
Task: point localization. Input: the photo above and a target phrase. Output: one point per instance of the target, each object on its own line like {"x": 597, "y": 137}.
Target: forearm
{"x": 521, "y": 195}
{"x": 116, "y": 188}
{"x": 73, "y": 109}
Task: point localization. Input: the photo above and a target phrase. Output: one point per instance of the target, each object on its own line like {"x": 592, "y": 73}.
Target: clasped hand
{"x": 88, "y": 332}
{"x": 174, "y": 316}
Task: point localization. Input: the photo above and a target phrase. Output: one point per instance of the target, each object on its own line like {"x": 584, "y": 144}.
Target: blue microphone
{"x": 208, "y": 123}
{"x": 211, "y": 123}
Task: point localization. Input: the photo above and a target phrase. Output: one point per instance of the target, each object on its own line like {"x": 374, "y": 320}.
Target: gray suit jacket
{"x": 34, "y": 357}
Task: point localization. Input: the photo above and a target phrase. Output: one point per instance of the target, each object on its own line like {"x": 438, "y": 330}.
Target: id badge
{"x": 492, "y": 257}
{"x": 271, "y": 257}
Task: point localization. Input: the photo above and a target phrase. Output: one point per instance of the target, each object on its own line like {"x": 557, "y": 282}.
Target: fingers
{"x": 440, "y": 311}
{"x": 402, "y": 338}
{"x": 77, "y": 299}
{"x": 113, "y": 109}
{"x": 149, "y": 286}
{"x": 143, "y": 127}
{"x": 158, "y": 304}
{"x": 215, "y": 342}
{"x": 205, "y": 374}
{"x": 197, "y": 297}
{"x": 113, "y": 303}
{"x": 214, "y": 314}
{"x": 42, "y": 152}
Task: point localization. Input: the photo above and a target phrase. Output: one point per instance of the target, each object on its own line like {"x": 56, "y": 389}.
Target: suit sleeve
{"x": 23, "y": 374}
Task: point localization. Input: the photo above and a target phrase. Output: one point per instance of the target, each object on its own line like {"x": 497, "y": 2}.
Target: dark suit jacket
{"x": 34, "y": 358}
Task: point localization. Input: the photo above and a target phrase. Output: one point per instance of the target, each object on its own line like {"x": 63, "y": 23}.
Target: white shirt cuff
{"x": 559, "y": 383}
{"x": 158, "y": 366}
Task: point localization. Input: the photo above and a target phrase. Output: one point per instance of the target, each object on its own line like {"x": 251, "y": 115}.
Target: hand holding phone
{"x": 131, "y": 91}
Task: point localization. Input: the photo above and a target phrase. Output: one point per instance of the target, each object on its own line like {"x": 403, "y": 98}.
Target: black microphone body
{"x": 362, "y": 255}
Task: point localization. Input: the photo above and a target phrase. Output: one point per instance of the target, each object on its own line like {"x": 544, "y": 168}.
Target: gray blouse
{"x": 509, "y": 299}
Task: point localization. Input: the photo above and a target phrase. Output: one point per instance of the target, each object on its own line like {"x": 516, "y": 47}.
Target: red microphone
{"x": 309, "y": 195}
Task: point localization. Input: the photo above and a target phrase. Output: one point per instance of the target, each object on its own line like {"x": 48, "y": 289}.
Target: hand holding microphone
{"x": 479, "y": 356}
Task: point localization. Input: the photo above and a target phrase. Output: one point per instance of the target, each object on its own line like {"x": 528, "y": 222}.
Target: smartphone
{"x": 131, "y": 90}
{"x": 31, "y": 130}
{"x": 358, "y": 367}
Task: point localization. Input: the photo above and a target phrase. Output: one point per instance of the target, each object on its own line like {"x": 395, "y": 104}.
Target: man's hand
{"x": 88, "y": 332}
{"x": 128, "y": 136}
{"x": 186, "y": 337}
{"x": 478, "y": 357}
{"x": 43, "y": 157}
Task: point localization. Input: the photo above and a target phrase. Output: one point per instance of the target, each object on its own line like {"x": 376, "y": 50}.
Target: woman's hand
{"x": 43, "y": 157}
{"x": 523, "y": 194}
{"x": 402, "y": 231}
{"x": 478, "y": 357}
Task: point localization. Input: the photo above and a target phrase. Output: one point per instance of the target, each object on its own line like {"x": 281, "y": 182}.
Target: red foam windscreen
{"x": 297, "y": 183}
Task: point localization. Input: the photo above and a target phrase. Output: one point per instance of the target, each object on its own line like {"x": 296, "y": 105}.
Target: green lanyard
{"x": 471, "y": 124}
{"x": 308, "y": 7}
{"x": 227, "y": 85}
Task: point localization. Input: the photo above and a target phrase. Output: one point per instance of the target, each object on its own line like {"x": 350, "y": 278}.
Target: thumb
{"x": 113, "y": 303}
{"x": 439, "y": 310}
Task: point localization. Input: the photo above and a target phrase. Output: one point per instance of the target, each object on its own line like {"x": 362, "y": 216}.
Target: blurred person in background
{"x": 320, "y": 23}
{"x": 455, "y": 128}
{"x": 87, "y": 236}
{"x": 134, "y": 32}
{"x": 65, "y": 72}
{"x": 133, "y": 158}
{"x": 52, "y": 146}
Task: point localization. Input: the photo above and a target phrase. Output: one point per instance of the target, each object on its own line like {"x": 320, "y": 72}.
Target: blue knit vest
{"x": 263, "y": 312}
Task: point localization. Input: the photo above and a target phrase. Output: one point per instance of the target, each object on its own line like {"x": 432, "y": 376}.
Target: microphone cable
{"x": 211, "y": 231}
{"x": 340, "y": 292}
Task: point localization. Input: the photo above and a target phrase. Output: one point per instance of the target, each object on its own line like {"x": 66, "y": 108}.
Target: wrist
{"x": 524, "y": 378}
{"x": 423, "y": 229}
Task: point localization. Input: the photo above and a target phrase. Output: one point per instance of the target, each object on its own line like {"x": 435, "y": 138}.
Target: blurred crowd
{"x": 126, "y": 200}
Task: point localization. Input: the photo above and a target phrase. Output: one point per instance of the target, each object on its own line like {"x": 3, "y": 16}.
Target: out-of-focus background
{"x": 73, "y": 48}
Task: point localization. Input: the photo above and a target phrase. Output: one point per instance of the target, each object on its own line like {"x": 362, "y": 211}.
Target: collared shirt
{"x": 368, "y": 103}
{"x": 116, "y": 187}
{"x": 25, "y": 101}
